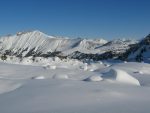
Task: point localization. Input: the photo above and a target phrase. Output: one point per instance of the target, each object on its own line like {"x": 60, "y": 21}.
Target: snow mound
{"x": 38, "y": 77}
{"x": 85, "y": 67}
{"x": 60, "y": 76}
{"x": 8, "y": 86}
{"x": 120, "y": 76}
{"x": 107, "y": 65}
{"x": 140, "y": 72}
{"x": 50, "y": 67}
{"x": 92, "y": 70}
{"x": 100, "y": 62}
{"x": 56, "y": 59}
{"x": 94, "y": 78}
{"x": 26, "y": 61}
{"x": 125, "y": 62}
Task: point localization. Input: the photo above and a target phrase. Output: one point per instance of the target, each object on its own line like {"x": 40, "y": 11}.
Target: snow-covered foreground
{"x": 75, "y": 88}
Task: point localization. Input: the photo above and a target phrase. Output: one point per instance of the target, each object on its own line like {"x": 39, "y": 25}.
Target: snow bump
{"x": 60, "y": 76}
{"x": 94, "y": 78}
{"x": 120, "y": 76}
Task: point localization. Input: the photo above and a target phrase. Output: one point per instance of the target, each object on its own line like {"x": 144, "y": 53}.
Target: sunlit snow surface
{"x": 69, "y": 86}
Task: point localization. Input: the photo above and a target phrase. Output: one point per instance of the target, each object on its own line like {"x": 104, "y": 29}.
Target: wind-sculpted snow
{"x": 7, "y": 85}
{"x": 120, "y": 76}
{"x": 94, "y": 78}
{"x": 70, "y": 88}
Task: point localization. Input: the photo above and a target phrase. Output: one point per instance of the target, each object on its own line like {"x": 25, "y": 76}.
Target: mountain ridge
{"x": 41, "y": 42}
{"x": 38, "y": 44}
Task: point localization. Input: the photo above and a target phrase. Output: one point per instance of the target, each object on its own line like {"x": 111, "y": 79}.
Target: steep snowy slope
{"x": 22, "y": 43}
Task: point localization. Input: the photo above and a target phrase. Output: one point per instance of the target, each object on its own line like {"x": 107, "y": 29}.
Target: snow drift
{"x": 93, "y": 78}
{"x": 38, "y": 77}
{"x": 8, "y": 86}
{"x": 120, "y": 76}
{"x": 60, "y": 76}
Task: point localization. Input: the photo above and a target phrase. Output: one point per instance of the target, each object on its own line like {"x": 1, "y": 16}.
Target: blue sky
{"x": 109, "y": 19}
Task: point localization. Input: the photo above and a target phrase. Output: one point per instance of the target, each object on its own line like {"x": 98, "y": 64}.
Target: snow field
{"x": 71, "y": 89}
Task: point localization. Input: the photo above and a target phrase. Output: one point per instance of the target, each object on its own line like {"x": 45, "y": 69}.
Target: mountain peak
{"x": 146, "y": 40}
{"x": 30, "y": 33}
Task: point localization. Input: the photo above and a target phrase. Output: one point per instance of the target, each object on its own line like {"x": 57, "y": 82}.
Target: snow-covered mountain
{"x": 140, "y": 51}
{"x": 36, "y": 43}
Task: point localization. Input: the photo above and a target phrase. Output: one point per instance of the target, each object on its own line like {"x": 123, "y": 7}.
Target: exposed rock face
{"x": 138, "y": 52}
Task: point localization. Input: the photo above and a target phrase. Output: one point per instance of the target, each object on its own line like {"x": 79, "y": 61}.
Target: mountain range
{"x": 38, "y": 44}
